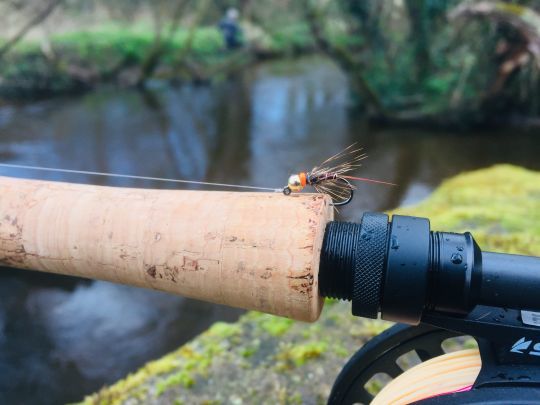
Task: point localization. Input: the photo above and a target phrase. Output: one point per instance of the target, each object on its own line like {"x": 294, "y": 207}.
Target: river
{"x": 62, "y": 337}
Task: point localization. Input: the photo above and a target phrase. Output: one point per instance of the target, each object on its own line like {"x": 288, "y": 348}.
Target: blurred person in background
{"x": 230, "y": 29}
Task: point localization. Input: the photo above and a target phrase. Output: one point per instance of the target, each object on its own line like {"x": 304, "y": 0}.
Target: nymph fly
{"x": 331, "y": 176}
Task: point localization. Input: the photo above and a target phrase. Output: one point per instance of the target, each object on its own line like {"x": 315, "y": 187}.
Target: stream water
{"x": 62, "y": 337}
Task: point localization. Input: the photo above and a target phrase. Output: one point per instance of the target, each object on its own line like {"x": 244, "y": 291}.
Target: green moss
{"x": 224, "y": 330}
{"x": 330, "y": 301}
{"x": 367, "y": 328}
{"x": 470, "y": 344}
{"x": 374, "y": 386}
{"x": 500, "y": 206}
{"x": 312, "y": 331}
{"x": 273, "y": 325}
{"x": 304, "y": 352}
{"x": 183, "y": 378}
{"x": 340, "y": 350}
{"x": 296, "y": 398}
{"x": 276, "y": 326}
{"x": 298, "y": 354}
{"x": 250, "y": 349}
{"x": 373, "y": 327}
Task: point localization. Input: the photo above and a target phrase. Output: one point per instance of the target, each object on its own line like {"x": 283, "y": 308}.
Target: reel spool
{"x": 488, "y": 375}
{"x": 380, "y": 355}
{"x": 449, "y": 373}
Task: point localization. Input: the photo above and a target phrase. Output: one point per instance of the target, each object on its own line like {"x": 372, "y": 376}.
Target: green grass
{"x": 101, "y": 50}
{"x": 124, "y": 40}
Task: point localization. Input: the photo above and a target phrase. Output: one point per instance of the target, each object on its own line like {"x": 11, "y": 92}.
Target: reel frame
{"x": 510, "y": 366}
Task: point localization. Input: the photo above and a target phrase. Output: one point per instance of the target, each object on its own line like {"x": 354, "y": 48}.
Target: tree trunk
{"x": 418, "y": 21}
{"x": 158, "y": 48}
{"x": 346, "y": 60}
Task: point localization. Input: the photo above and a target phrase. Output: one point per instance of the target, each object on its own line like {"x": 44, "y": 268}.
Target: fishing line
{"x": 451, "y": 372}
{"x": 331, "y": 177}
{"x": 129, "y": 176}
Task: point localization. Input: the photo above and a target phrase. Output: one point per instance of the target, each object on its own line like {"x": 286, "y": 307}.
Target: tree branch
{"x": 152, "y": 58}
{"x": 37, "y": 19}
{"x": 344, "y": 59}
{"x": 523, "y": 19}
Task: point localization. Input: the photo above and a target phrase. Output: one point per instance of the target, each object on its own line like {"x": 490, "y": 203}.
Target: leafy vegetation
{"x": 439, "y": 62}
{"x": 427, "y": 61}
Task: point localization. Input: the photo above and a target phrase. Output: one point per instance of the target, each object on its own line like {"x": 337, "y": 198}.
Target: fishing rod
{"x": 199, "y": 244}
{"x": 283, "y": 254}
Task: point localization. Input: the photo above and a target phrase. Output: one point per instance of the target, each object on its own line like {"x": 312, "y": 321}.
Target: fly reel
{"x": 438, "y": 285}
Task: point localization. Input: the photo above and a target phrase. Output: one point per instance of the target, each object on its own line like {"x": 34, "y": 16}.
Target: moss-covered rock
{"x": 500, "y": 206}
{"x": 265, "y": 359}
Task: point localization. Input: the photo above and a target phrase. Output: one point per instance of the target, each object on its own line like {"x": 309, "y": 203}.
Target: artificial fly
{"x": 330, "y": 177}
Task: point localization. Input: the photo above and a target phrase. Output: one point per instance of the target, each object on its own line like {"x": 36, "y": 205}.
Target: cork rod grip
{"x": 249, "y": 250}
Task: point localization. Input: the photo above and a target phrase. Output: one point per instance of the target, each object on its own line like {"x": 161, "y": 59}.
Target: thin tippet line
{"x": 129, "y": 176}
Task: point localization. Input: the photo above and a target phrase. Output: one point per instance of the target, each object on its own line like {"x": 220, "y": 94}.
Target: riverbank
{"x": 265, "y": 359}
{"x": 429, "y": 66}
{"x": 115, "y": 53}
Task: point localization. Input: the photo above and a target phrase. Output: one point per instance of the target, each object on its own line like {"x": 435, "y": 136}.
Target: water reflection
{"x": 61, "y": 337}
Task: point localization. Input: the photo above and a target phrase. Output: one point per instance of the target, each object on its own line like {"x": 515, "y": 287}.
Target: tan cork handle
{"x": 249, "y": 250}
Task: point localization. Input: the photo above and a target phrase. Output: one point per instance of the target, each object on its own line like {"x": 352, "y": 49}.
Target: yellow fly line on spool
{"x": 448, "y": 373}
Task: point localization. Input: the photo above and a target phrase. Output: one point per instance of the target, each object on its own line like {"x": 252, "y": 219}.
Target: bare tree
{"x": 163, "y": 37}
{"x": 40, "y": 16}
{"x": 344, "y": 58}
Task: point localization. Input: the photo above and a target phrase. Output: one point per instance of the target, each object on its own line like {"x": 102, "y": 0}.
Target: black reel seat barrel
{"x": 401, "y": 269}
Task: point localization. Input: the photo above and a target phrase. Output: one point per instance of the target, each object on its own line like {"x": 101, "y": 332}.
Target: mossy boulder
{"x": 500, "y": 206}
{"x": 266, "y": 359}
